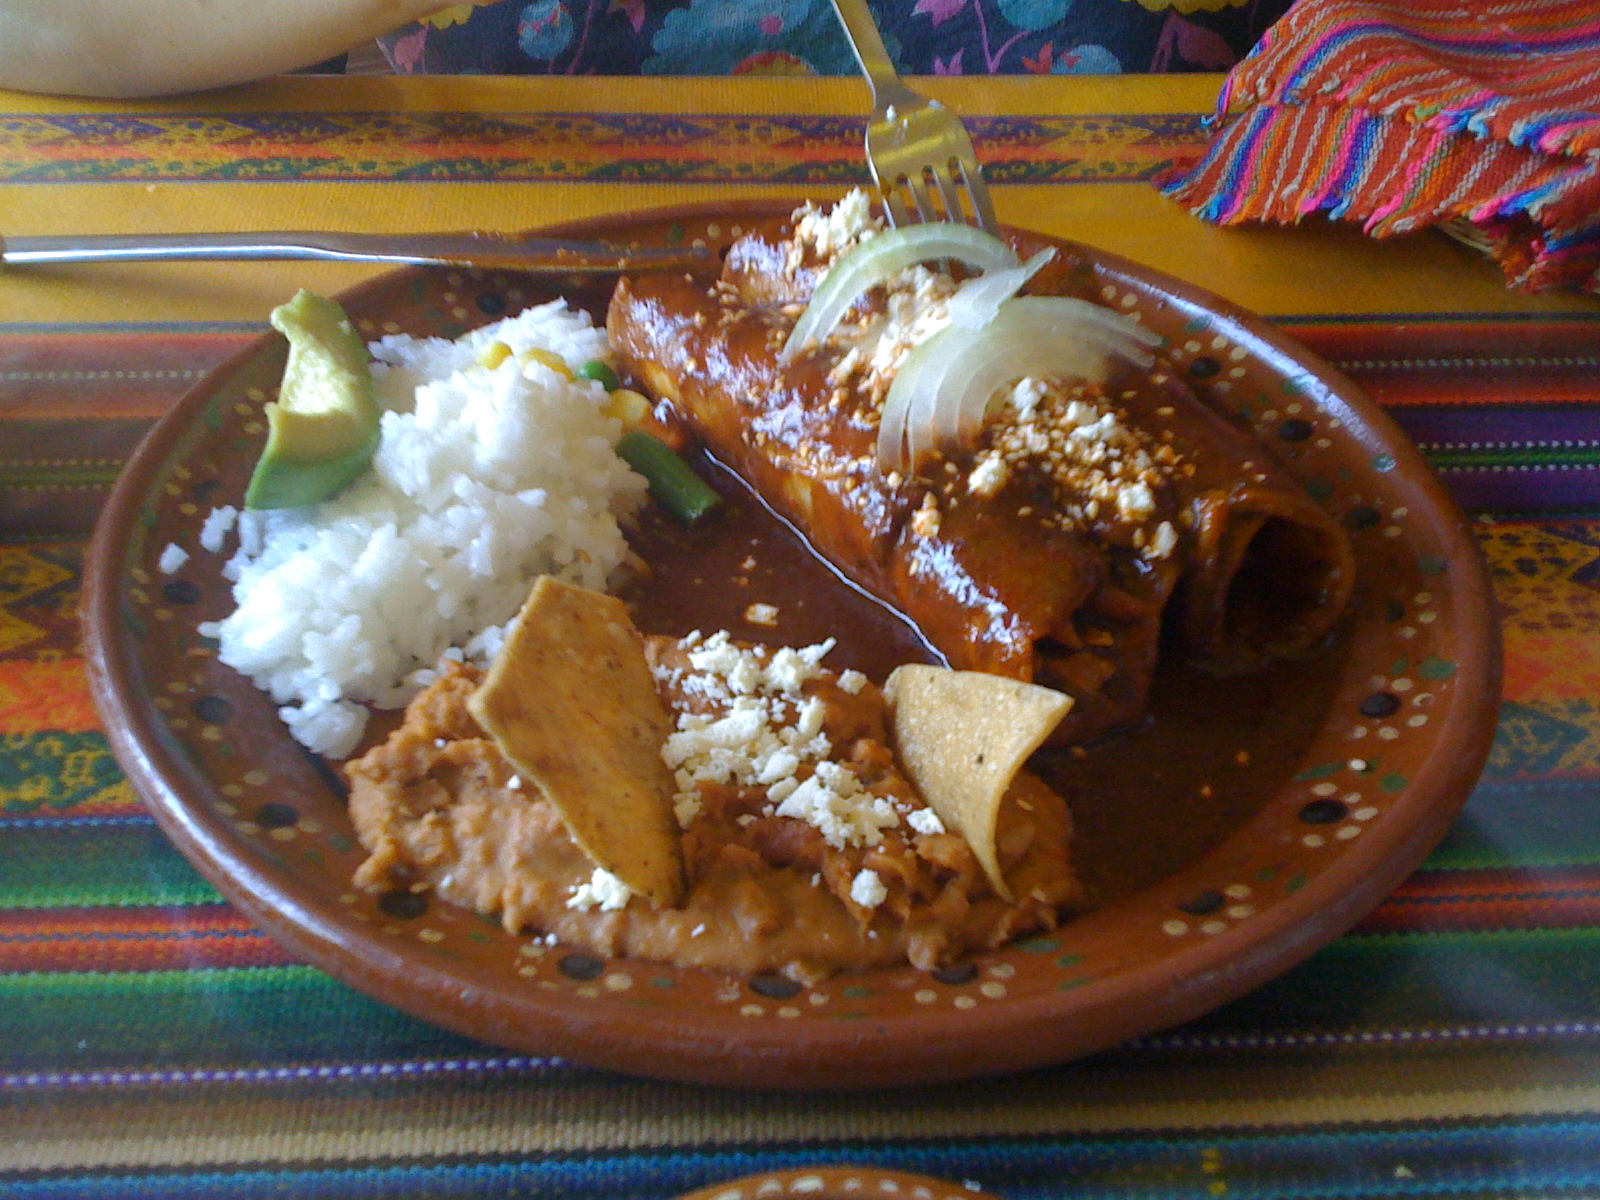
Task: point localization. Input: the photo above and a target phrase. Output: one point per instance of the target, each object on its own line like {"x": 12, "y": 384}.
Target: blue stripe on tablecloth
{"x": 1544, "y": 1156}
{"x": 1510, "y": 457}
{"x": 1501, "y": 429}
{"x": 1522, "y": 488}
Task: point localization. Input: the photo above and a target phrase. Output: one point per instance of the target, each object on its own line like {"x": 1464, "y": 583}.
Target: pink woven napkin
{"x": 1482, "y": 118}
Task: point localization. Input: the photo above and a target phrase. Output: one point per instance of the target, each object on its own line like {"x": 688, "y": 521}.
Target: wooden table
{"x": 153, "y": 1043}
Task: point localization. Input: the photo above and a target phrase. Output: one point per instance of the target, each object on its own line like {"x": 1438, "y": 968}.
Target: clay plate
{"x": 840, "y": 1183}
{"x": 1381, "y": 772}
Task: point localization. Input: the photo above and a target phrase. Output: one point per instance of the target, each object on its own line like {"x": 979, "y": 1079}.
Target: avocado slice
{"x": 322, "y": 431}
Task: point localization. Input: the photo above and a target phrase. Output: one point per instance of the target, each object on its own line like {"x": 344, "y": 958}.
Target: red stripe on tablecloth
{"x": 133, "y": 939}
{"x": 1465, "y": 362}
{"x": 80, "y": 375}
{"x": 1483, "y": 900}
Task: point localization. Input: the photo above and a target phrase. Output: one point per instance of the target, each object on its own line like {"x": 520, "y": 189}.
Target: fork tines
{"x": 924, "y": 165}
{"x": 955, "y": 193}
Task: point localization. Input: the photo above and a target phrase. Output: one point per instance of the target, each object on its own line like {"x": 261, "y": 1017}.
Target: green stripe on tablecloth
{"x": 1531, "y": 455}
{"x": 212, "y": 1018}
{"x": 64, "y": 474}
{"x": 91, "y": 865}
{"x": 1456, "y": 981}
{"x": 1529, "y": 823}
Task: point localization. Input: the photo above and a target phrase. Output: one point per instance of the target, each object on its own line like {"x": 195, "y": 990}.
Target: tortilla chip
{"x": 961, "y": 737}
{"x": 572, "y": 703}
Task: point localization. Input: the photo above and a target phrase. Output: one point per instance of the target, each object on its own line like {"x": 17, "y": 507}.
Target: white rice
{"x": 216, "y": 528}
{"x": 485, "y": 479}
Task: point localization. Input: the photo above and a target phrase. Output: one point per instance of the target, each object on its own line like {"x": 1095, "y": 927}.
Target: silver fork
{"x": 916, "y": 148}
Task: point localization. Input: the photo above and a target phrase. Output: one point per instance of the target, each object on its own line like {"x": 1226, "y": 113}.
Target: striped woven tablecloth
{"x": 153, "y": 1044}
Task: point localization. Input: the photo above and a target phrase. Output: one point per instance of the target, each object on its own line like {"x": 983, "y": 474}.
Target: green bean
{"x": 672, "y": 481}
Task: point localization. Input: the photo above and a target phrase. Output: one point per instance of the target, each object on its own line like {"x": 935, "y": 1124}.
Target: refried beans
{"x": 440, "y": 808}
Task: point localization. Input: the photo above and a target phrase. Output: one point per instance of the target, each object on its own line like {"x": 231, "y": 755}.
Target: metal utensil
{"x": 915, "y": 146}
{"x": 494, "y": 250}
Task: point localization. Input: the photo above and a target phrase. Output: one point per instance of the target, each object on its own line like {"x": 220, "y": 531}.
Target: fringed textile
{"x": 1415, "y": 113}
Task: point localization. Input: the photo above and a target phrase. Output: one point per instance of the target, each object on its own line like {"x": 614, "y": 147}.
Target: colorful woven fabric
{"x": 803, "y": 37}
{"x": 1410, "y": 113}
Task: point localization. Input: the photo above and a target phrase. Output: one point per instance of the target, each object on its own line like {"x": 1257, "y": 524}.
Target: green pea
{"x": 601, "y": 372}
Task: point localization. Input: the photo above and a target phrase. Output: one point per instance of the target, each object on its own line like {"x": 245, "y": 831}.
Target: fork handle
{"x": 542, "y": 255}
{"x": 872, "y": 54}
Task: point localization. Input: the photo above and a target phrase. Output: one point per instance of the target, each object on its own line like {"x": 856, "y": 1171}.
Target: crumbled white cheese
{"x": 925, "y": 522}
{"x": 1104, "y": 429}
{"x": 845, "y": 367}
{"x": 766, "y": 732}
{"x": 867, "y": 889}
{"x": 790, "y": 669}
{"x": 172, "y": 558}
{"x": 1025, "y": 396}
{"x": 738, "y": 670}
{"x": 783, "y": 764}
{"x": 925, "y": 820}
{"x": 1164, "y": 541}
{"x": 603, "y": 891}
{"x": 916, "y": 306}
{"x": 833, "y": 801}
{"x": 851, "y": 682}
{"x": 832, "y": 231}
{"x": 990, "y": 475}
{"x": 1078, "y": 414}
{"x": 1102, "y": 468}
{"x": 1135, "y": 501}
{"x": 762, "y": 614}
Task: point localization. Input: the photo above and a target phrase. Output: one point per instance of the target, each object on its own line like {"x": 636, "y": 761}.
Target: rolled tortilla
{"x": 1266, "y": 571}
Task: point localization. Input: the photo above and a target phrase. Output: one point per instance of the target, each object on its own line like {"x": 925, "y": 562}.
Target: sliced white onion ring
{"x": 978, "y": 299}
{"x": 942, "y": 393}
{"x": 879, "y": 258}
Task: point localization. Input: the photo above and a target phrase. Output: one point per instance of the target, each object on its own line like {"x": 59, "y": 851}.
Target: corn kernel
{"x": 493, "y": 355}
{"x": 627, "y": 406}
{"x": 550, "y": 359}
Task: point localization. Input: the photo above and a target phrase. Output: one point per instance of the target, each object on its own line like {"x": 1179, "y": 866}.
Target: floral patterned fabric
{"x": 803, "y": 37}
